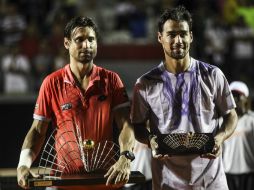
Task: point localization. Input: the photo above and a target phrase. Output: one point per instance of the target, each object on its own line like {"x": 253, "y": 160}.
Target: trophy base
{"x": 83, "y": 179}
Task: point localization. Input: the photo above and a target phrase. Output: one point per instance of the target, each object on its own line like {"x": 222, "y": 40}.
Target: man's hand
{"x": 218, "y": 141}
{"x": 119, "y": 173}
{"x": 23, "y": 174}
{"x": 154, "y": 146}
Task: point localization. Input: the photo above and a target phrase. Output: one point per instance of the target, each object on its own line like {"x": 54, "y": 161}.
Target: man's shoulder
{"x": 203, "y": 65}
{"x": 153, "y": 75}
{"x": 206, "y": 69}
{"x": 58, "y": 73}
{"x": 105, "y": 72}
{"x": 55, "y": 75}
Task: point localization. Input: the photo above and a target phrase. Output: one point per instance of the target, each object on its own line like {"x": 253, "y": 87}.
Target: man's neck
{"x": 176, "y": 66}
{"x": 82, "y": 71}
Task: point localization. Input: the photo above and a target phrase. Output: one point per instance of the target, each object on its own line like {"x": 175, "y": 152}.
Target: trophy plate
{"x": 185, "y": 143}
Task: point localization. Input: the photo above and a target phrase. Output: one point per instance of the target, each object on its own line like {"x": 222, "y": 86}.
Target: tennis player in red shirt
{"x": 81, "y": 95}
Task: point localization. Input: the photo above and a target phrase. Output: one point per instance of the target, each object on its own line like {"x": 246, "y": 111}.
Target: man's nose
{"x": 86, "y": 44}
{"x": 179, "y": 39}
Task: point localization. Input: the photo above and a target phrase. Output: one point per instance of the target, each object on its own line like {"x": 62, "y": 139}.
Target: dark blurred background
{"x": 32, "y": 47}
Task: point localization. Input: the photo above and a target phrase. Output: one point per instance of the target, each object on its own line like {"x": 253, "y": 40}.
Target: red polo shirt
{"x": 62, "y": 101}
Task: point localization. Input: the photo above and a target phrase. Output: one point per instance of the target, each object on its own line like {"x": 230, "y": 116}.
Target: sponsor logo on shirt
{"x": 66, "y": 106}
{"x": 36, "y": 106}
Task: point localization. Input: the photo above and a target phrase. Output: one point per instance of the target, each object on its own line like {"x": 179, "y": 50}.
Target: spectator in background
{"x": 60, "y": 59}
{"x": 138, "y": 22}
{"x": 42, "y": 63}
{"x": 55, "y": 37}
{"x": 241, "y": 42}
{"x": 216, "y": 36}
{"x": 238, "y": 150}
{"x": 13, "y": 25}
{"x": 16, "y": 70}
{"x": 123, "y": 11}
{"x": 29, "y": 44}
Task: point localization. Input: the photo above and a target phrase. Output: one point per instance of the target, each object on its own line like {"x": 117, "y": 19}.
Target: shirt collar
{"x": 68, "y": 75}
{"x": 190, "y": 68}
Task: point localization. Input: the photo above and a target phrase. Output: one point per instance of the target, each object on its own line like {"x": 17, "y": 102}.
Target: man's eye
{"x": 183, "y": 35}
{"x": 78, "y": 40}
{"x": 171, "y": 35}
{"x": 91, "y": 39}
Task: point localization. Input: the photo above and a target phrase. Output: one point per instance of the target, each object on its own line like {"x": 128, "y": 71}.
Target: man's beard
{"x": 87, "y": 58}
{"x": 177, "y": 55}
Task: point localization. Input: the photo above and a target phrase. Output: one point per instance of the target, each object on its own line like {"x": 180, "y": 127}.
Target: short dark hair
{"x": 179, "y": 13}
{"x": 80, "y": 22}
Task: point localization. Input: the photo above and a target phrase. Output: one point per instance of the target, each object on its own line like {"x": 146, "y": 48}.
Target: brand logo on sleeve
{"x": 66, "y": 106}
{"x": 36, "y": 106}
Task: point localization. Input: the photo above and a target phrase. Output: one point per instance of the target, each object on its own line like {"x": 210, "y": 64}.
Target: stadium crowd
{"x": 32, "y": 33}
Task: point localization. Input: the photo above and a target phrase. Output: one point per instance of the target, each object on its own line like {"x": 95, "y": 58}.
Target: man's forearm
{"x": 126, "y": 137}
{"x": 228, "y": 126}
{"x": 35, "y": 138}
{"x": 33, "y": 141}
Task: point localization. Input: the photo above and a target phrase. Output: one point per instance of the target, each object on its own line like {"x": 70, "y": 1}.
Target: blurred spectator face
{"x": 241, "y": 102}
{"x": 175, "y": 39}
{"x": 82, "y": 45}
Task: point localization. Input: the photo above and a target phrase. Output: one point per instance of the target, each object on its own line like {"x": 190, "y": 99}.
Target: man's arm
{"x": 126, "y": 137}
{"x": 227, "y": 127}
{"x": 30, "y": 149}
{"x": 141, "y": 133}
{"x": 226, "y": 130}
{"x": 120, "y": 171}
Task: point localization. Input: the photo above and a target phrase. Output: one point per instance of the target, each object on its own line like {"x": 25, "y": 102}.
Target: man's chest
{"x": 73, "y": 101}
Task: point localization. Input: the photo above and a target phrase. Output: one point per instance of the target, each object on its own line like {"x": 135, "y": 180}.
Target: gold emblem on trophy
{"x": 88, "y": 144}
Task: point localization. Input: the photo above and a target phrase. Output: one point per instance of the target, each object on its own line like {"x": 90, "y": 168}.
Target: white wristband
{"x": 26, "y": 158}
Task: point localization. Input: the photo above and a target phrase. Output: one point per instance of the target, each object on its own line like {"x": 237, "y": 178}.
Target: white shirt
{"x": 192, "y": 101}
{"x": 16, "y": 82}
{"x": 238, "y": 150}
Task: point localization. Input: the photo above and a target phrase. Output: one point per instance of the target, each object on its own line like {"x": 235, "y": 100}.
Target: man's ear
{"x": 191, "y": 36}
{"x": 159, "y": 37}
{"x": 66, "y": 43}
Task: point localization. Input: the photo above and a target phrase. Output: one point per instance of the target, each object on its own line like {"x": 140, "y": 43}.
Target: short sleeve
{"x": 140, "y": 107}
{"x": 119, "y": 94}
{"x": 223, "y": 97}
{"x": 43, "y": 108}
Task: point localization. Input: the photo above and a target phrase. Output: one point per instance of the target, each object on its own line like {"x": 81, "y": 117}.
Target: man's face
{"x": 241, "y": 102}
{"x": 83, "y": 44}
{"x": 175, "y": 39}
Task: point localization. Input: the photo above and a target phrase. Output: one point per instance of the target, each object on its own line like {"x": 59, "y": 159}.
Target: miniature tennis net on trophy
{"x": 67, "y": 159}
{"x": 185, "y": 143}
